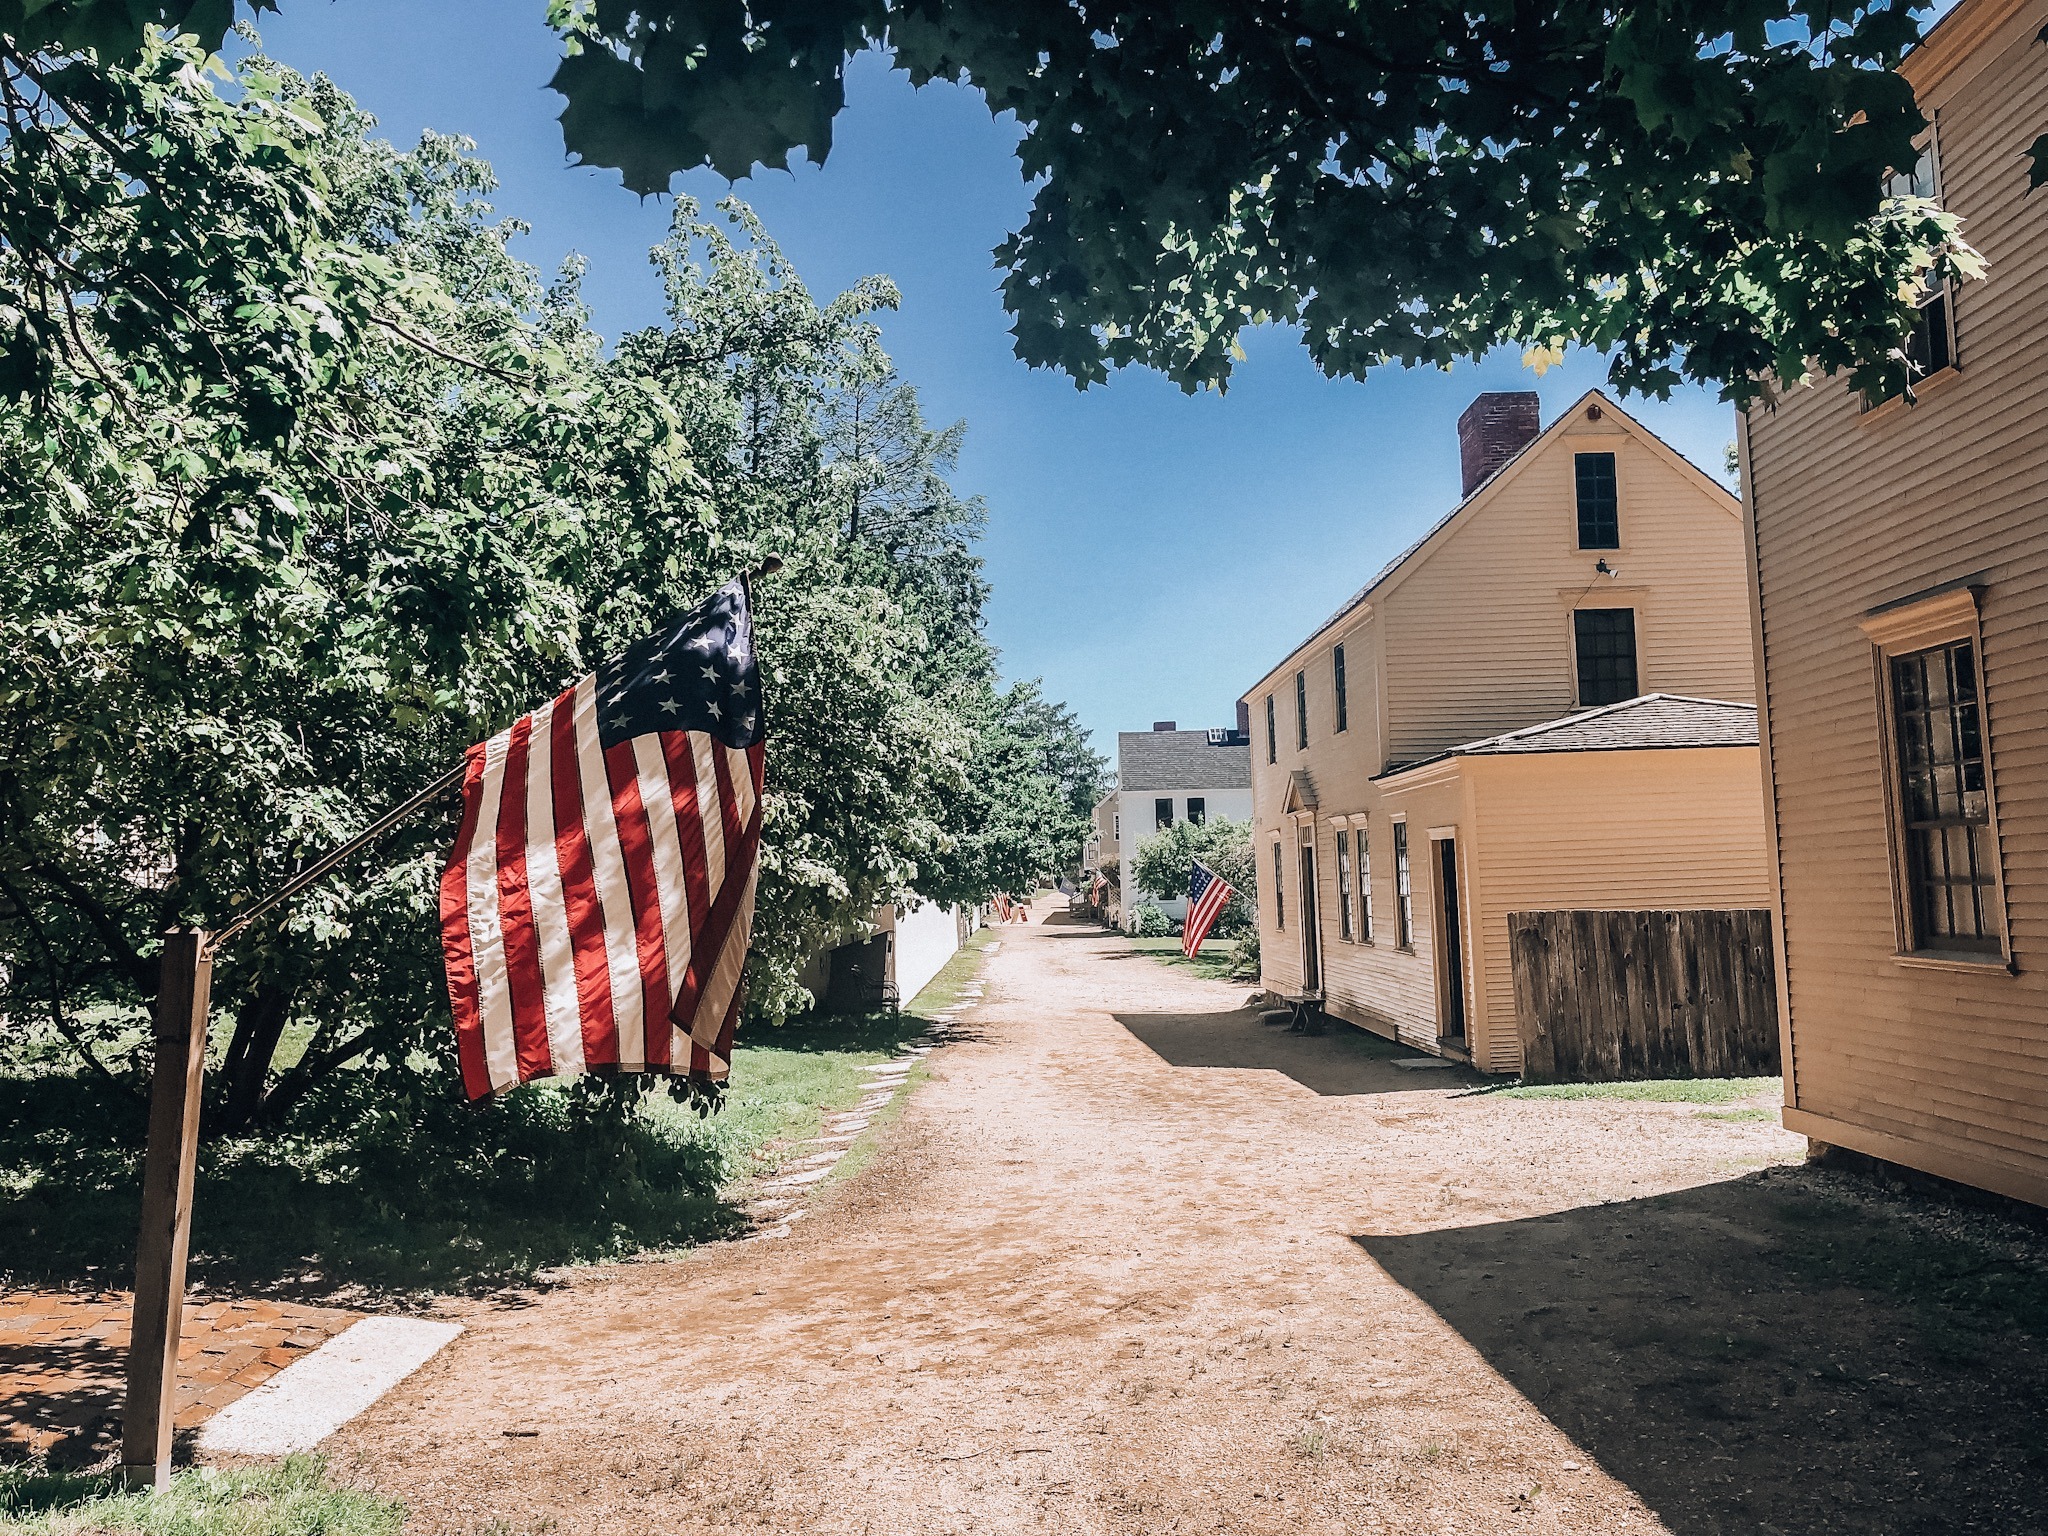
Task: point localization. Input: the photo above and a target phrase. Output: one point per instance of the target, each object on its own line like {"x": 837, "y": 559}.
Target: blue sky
{"x": 1152, "y": 552}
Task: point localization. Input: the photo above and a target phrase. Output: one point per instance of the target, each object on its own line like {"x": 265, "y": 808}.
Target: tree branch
{"x": 58, "y": 1016}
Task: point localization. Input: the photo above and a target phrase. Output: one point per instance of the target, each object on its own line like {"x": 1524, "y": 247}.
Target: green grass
{"x": 1687, "y": 1090}
{"x": 1212, "y": 964}
{"x": 395, "y": 1187}
{"x": 290, "y": 1498}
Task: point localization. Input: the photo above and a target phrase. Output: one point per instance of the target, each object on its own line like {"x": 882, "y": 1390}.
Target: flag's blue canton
{"x": 1198, "y": 882}
{"x": 694, "y": 674}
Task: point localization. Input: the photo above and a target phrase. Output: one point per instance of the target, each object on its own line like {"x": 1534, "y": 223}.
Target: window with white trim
{"x": 1343, "y": 883}
{"x": 1279, "y": 886}
{"x": 1404, "y": 890}
{"x": 1363, "y": 831}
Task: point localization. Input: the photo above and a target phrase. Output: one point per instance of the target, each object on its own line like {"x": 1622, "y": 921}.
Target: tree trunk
{"x": 258, "y": 1028}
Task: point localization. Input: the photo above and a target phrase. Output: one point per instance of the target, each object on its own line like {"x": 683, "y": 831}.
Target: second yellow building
{"x": 1546, "y": 704}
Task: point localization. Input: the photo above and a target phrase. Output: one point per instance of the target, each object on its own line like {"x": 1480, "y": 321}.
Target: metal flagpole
{"x": 184, "y": 986}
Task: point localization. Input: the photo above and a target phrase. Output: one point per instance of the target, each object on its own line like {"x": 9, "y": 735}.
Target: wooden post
{"x": 146, "y": 1422}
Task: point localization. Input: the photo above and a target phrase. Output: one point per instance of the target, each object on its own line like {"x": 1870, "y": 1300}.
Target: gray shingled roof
{"x": 1180, "y": 760}
{"x": 1656, "y": 720}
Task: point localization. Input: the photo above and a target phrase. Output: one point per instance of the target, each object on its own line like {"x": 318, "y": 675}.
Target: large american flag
{"x": 596, "y": 906}
{"x": 1207, "y": 892}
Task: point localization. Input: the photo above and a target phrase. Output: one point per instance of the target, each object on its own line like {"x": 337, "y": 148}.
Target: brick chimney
{"x": 1496, "y": 427}
{"x": 1165, "y": 725}
{"x": 1244, "y": 720}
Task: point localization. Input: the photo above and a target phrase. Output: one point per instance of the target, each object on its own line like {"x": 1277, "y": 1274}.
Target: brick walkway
{"x": 63, "y": 1357}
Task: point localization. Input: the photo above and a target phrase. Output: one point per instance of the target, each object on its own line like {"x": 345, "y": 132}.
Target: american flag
{"x": 1003, "y": 907}
{"x": 1207, "y": 892}
{"x": 596, "y": 906}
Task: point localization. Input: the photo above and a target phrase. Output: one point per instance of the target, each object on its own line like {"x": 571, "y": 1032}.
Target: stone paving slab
{"x": 64, "y": 1355}
{"x": 321, "y": 1392}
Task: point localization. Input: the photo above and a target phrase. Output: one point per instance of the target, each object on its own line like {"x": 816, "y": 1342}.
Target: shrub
{"x": 1160, "y": 869}
{"x": 1244, "y": 958}
{"x": 1153, "y": 923}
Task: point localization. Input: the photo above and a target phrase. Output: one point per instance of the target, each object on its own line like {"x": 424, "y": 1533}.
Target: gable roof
{"x": 1301, "y": 793}
{"x": 1947, "y": 45}
{"x": 1180, "y": 760}
{"x": 1398, "y": 569}
{"x": 1655, "y": 721}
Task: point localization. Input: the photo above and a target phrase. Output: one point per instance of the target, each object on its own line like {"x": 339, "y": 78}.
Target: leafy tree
{"x": 1161, "y": 867}
{"x": 254, "y": 601}
{"x": 254, "y": 598}
{"x": 1023, "y": 811}
{"x": 1694, "y": 184}
{"x": 1691, "y": 184}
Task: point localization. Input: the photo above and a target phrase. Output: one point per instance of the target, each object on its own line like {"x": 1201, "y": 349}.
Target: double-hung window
{"x": 1198, "y": 810}
{"x": 1363, "y": 832}
{"x": 1944, "y": 805}
{"x": 1931, "y": 346}
{"x": 1301, "y": 711}
{"x": 1272, "y": 738}
{"x": 1337, "y": 683}
{"x": 1404, "y": 890}
{"x": 1162, "y": 811}
{"x": 1605, "y": 642}
{"x": 1343, "y": 883}
{"x": 1945, "y": 858}
{"x": 1279, "y": 889}
{"x": 1599, "y": 501}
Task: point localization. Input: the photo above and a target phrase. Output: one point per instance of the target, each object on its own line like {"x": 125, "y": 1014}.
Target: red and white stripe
{"x": 1203, "y": 914}
{"x": 596, "y": 908}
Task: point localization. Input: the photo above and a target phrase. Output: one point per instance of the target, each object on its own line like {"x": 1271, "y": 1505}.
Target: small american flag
{"x": 1003, "y": 907}
{"x": 596, "y": 907}
{"x": 1207, "y": 892}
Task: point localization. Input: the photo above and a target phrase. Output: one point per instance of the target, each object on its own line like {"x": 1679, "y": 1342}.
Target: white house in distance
{"x": 1166, "y": 775}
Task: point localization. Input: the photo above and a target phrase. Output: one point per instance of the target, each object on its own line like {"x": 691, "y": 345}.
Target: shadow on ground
{"x": 1787, "y": 1353}
{"x": 1068, "y": 925}
{"x": 72, "y": 1403}
{"x": 388, "y": 1186}
{"x": 1342, "y": 1060}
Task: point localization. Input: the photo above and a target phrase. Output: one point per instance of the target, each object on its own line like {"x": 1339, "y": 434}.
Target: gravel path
{"x": 1131, "y": 1262}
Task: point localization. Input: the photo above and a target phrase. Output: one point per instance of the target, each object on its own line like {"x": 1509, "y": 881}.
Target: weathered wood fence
{"x": 1608, "y": 996}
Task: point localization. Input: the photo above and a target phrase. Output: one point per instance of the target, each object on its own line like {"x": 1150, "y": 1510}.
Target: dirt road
{"x": 1133, "y": 1263}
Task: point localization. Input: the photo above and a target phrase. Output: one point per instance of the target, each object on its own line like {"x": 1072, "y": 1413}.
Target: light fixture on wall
{"x": 1604, "y": 569}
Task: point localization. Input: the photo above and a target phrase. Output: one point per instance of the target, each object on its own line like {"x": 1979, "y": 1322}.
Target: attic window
{"x": 1599, "y": 501}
